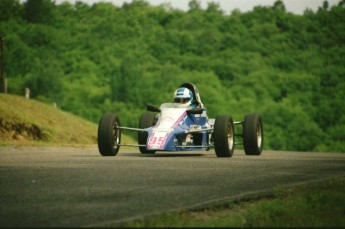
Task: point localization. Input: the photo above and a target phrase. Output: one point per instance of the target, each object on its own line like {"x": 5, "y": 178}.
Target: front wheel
{"x": 109, "y": 135}
{"x": 147, "y": 119}
{"x": 224, "y": 136}
{"x": 253, "y": 135}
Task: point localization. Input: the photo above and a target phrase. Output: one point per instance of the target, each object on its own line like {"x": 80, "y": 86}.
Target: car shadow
{"x": 164, "y": 154}
{"x": 174, "y": 155}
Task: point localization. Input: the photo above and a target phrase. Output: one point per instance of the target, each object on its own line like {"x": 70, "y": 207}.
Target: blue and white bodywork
{"x": 177, "y": 127}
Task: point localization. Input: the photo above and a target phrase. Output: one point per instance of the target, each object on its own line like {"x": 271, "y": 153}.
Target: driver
{"x": 184, "y": 97}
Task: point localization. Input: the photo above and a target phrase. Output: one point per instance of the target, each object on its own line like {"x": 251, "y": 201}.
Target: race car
{"x": 172, "y": 128}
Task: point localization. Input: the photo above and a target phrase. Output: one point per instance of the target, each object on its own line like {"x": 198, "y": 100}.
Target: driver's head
{"x": 183, "y": 96}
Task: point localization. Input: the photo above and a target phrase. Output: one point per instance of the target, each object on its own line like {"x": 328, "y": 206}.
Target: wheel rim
{"x": 259, "y": 135}
{"x": 116, "y": 135}
{"x": 230, "y": 137}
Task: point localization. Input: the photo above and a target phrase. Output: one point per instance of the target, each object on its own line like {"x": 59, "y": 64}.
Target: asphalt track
{"x": 76, "y": 187}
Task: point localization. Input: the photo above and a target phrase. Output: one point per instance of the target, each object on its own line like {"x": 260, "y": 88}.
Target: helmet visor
{"x": 181, "y": 100}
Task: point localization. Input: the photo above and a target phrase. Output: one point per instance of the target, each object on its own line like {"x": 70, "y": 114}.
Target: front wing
{"x": 165, "y": 141}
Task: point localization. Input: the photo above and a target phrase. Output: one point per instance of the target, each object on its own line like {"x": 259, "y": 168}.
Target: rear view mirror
{"x": 152, "y": 108}
{"x": 197, "y": 110}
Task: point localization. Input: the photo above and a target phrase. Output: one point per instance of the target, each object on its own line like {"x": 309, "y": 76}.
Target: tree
{"x": 45, "y": 80}
{"x": 279, "y": 5}
{"x": 194, "y": 5}
{"x": 102, "y": 58}
{"x": 214, "y": 7}
{"x": 39, "y": 11}
{"x": 10, "y": 9}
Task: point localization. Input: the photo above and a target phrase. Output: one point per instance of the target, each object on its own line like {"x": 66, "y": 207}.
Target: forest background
{"x": 99, "y": 58}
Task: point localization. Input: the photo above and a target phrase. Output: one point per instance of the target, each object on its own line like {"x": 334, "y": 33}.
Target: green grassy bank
{"x": 320, "y": 204}
{"x": 29, "y": 122}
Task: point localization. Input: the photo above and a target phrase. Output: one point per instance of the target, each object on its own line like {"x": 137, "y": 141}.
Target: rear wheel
{"x": 109, "y": 135}
{"x": 224, "y": 136}
{"x": 253, "y": 135}
{"x": 147, "y": 119}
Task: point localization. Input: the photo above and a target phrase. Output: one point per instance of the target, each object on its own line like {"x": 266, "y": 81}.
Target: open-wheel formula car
{"x": 172, "y": 127}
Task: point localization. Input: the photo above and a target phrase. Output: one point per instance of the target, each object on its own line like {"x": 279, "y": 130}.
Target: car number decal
{"x": 156, "y": 141}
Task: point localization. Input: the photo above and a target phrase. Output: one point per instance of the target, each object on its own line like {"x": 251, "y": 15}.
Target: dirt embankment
{"x": 20, "y": 131}
{"x": 31, "y": 122}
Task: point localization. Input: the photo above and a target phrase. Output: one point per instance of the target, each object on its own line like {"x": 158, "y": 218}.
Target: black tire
{"x": 109, "y": 136}
{"x": 147, "y": 119}
{"x": 253, "y": 134}
{"x": 224, "y": 141}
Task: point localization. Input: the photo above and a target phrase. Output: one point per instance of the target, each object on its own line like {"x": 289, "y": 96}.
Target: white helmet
{"x": 183, "y": 96}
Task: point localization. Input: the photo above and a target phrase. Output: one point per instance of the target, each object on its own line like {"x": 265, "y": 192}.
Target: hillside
{"x": 26, "y": 121}
{"x": 29, "y": 122}
{"x": 99, "y": 58}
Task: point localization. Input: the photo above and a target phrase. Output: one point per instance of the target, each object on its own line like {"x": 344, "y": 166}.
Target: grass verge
{"x": 30, "y": 122}
{"x": 320, "y": 204}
